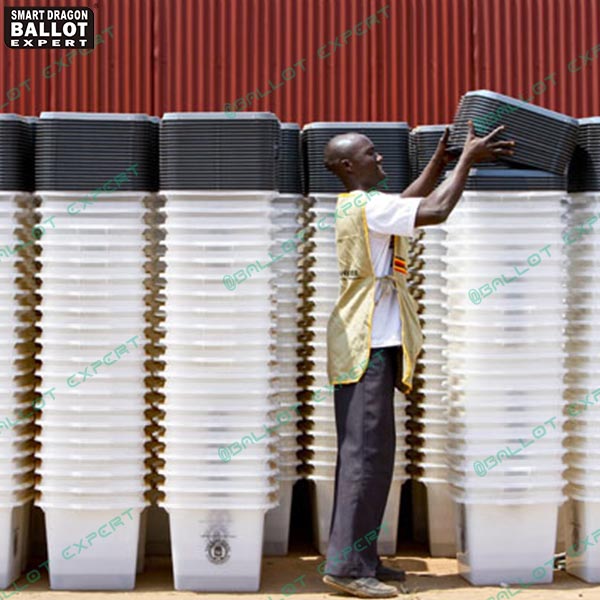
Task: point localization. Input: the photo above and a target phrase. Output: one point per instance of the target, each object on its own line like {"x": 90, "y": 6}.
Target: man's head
{"x": 353, "y": 158}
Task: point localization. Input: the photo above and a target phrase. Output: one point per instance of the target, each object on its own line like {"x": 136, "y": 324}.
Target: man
{"x": 375, "y": 314}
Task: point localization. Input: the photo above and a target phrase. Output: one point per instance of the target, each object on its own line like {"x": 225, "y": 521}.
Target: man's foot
{"x": 363, "y": 587}
{"x": 388, "y": 574}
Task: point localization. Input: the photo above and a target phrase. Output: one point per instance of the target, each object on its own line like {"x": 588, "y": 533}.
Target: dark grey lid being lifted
{"x": 515, "y": 102}
{"x": 545, "y": 139}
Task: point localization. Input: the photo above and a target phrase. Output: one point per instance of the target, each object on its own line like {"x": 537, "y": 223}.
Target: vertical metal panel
{"x": 179, "y": 55}
{"x": 409, "y": 65}
{"x": 520, "y": 42}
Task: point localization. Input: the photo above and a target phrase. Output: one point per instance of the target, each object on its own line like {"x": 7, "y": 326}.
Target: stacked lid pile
{"x": 18, "y": 233}
{"x": 532, "y": 166}
{"x": 429, "y": 403}
{"x": 424, "y": 140}
{"x": 305, "y": 333}
{"x": 505, "y": 363}
{"x": 428, "y": 407}
{"x": 92, "y": 433}
{"x": 219, "y": 177}
{"x": 154, "y": 365}
{"x": 414, "y": 282}
{"x": 184, "y": 168}
{"x": 582, "y": 240}
{"x": 285, "y": 252}
{"x": 154, "y": 313}
{"x": 322, "y": 285}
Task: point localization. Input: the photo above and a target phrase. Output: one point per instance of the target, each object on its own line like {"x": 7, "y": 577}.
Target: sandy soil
{"x": 429, "y": 579}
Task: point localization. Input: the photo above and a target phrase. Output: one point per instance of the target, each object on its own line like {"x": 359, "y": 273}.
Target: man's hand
{"x": 441, "y": 155}
{"x": 481, "y": 149}
{"x": 437, "y": 206}
{"x": 427, "y": 180}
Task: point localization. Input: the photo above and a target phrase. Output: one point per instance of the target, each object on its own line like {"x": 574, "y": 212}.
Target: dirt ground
{"x": 428, "y": 579}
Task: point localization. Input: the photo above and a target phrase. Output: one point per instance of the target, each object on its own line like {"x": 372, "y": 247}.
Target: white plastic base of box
{"x": 14, "y": 528}
{"x": 277, "y": 522}
{"x": 106, "y": 563}
{"x": 216, "y": 550}
{"x": 505, "y": 543}
{"x": 583, "y": 522}
{"x": 441, "y": 518}
{"x": 323, "y": 497}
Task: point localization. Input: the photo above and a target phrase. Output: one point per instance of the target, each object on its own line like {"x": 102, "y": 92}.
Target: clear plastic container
{"x": 193, "y": 550}
{"x": 111, "y": 565}
{"x": 482, "y": 555}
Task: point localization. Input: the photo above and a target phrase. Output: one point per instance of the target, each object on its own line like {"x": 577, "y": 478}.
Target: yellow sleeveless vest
{"x": 349, "y": 326}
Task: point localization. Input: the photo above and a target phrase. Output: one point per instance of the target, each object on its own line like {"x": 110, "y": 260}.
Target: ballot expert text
{"x": 64, "y": 27}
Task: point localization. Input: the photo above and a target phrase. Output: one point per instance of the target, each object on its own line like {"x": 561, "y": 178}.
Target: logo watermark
{"x": 8, "y": 424}
{"x": 32, "y": 576}
{"x": 226, "y": 453}
{"x": 491, "y": 118}
{"x": 540, "y": 572}
{"x": 476, "y": 296}
{"x": 37, "y": 229}
{"x": 231, "y": 282}
{"x": 117, "y": 180}
{"x": 119, "y": 351}
{"x": 114, "y": 523}
{"x": 41, "y": 27}
{"x": 482, "y": 468}
{"x": 369, "y": 538}
{"x": 14, "y": 93}
{"x": 289, "y": 73}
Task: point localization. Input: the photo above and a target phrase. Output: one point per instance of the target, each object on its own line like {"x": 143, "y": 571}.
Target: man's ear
{"x": 347, "y": 165}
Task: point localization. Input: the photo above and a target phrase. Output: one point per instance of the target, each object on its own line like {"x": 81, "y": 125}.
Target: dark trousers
{"x": 366, "y": 439}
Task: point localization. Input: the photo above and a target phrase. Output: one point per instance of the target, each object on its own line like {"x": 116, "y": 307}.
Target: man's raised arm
{"x": 436, "y": 207}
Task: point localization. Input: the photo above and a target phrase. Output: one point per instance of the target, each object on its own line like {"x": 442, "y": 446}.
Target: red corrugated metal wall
{"x": 410, "y": 61}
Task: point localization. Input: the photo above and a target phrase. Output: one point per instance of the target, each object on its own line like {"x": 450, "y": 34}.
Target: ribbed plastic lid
{"x": 91, "y": 116}
{"x": 432, "y": 128}
{"x": 357, "y": 124}
{"x": 182, "y": 116}
{"x": 511, "y": 173}
{"x": 590, "y": 121}
{"x": 13, "y": 117}
{"x": 524, "y": 105}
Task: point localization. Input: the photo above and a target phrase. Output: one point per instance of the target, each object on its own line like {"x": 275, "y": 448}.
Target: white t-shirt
{"x": 387, "y": 215}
